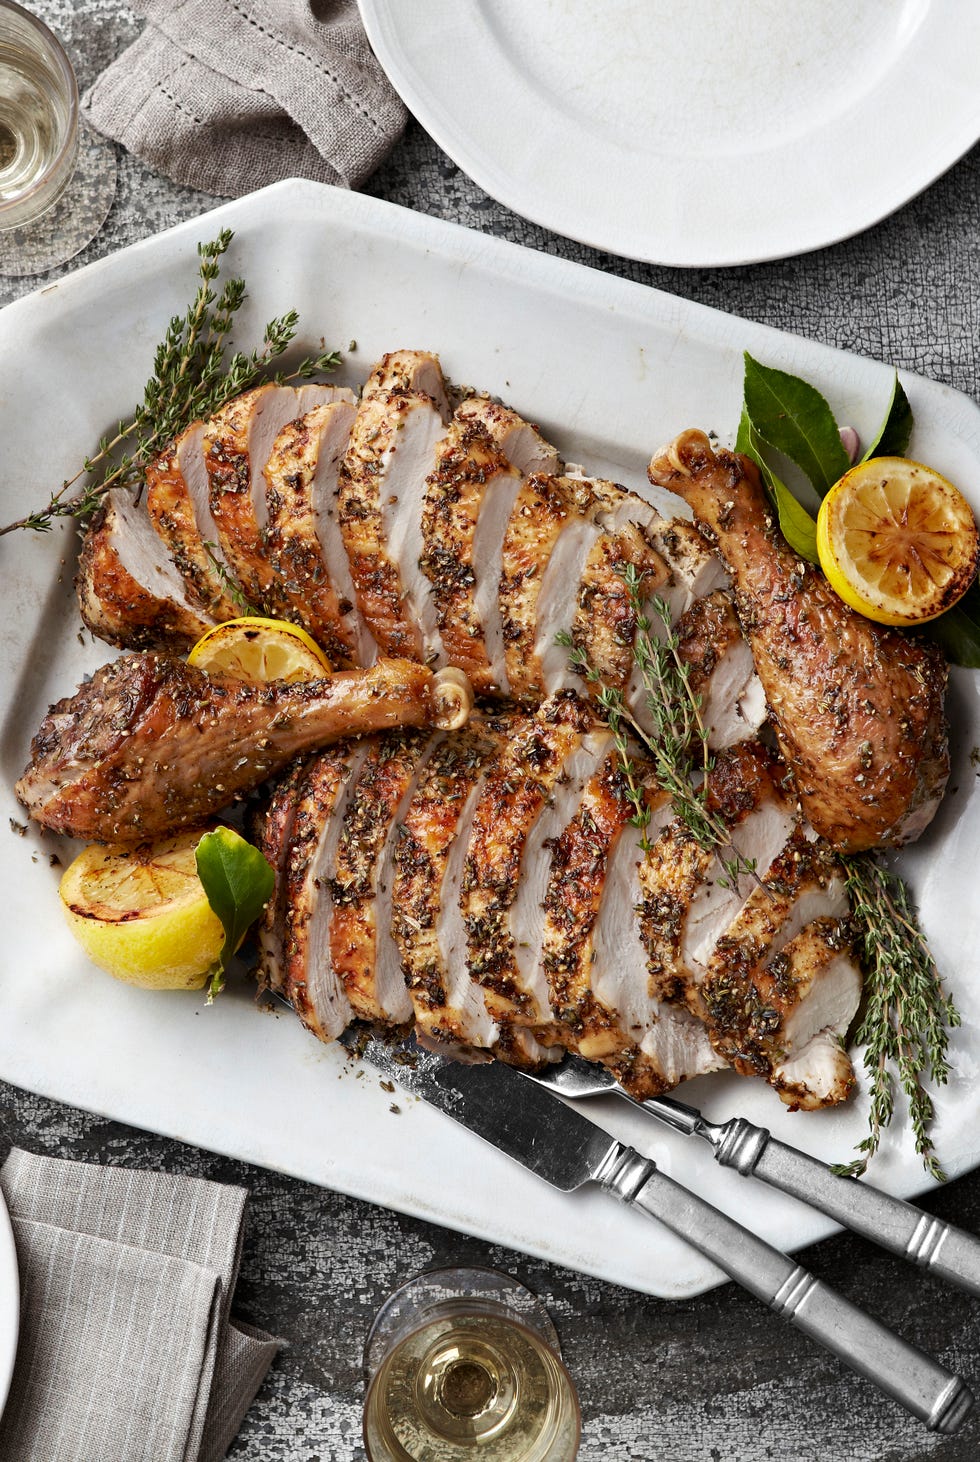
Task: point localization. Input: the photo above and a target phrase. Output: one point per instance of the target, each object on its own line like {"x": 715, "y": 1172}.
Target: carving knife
{"x": 948, "y": 1252}
{"x": 565, "y": 1149}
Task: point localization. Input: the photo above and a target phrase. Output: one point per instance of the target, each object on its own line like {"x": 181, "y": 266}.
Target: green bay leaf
{"x": 795, "y": 523}
{"x": 792, "y": 416}
{"x": 957, "y": 632}
{"x": 238, "y": 882}
{"x": 892, "y": 437}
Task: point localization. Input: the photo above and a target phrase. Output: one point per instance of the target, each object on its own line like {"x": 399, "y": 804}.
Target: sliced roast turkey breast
{"x": 521, "y": 443}
{"x": 312, "y": 584}
{"x": 237, "y": 444}
{"x": 427, "y": 866}
{"x": 129, "y": 590}
{"x": 409, "y": 370}
{"x": 271, "y": 830}
{"x": 528, "y": 796}
{"x": 468, "y": 500}
{"x": 177, "y": 502}
{"x": 362, "y": 950}
{"x": 689, "y": 896}
{"x": 380, "y": 488}
{"x": 310, "y": 982}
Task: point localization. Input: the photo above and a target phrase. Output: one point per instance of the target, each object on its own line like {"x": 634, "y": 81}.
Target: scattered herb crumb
{"x": 20, "y": 828}
{"x": 388, "y": 1086}
{"x": 395, "y": 1109}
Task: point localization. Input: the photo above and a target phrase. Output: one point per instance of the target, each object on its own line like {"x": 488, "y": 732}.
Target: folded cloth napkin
{"x": 227, "y": 95}
{"x": 126, "y": 1352}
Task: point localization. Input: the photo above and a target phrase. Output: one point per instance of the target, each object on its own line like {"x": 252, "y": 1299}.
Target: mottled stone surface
{"x": 715, "y": 1377}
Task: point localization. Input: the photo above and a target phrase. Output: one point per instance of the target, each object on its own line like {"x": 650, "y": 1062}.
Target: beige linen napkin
{"x": 227, "y": 95}
{"x": 126, "y": 1352}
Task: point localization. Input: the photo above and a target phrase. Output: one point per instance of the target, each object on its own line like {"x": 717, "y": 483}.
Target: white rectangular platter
{"x": 610, "y": 370}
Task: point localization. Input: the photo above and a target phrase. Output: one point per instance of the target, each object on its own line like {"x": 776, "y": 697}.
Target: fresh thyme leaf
{"x": 792, "y": 416}
{"x": 677, "y": 745}
{"x": 193, "y": 377}
{"x": 238, "y": 882}
{"x": 231, "y": 586}
{"x": 907, "y": 1014}
{"x": 892, "y": 437}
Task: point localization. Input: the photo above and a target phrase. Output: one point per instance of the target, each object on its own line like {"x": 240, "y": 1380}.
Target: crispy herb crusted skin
{"x": 171, "y": 510}
{"x": 579, "y": 860}
{"x": 468, "y": 462}
{"x": 380, "y": 591}
{"x": 151, "y": 744}
{"x": 318, "y": 787}
{"x": 541, "y": 510}
{"x": 420, "y": 862}
{"x": 516, "y": 791}
{"x": 605, "y": 621}
{"x": 117, "y": 608}
{"x": 302, "y": 589}
{"x": 384, "y": 778}
{"x": 857, "y": 707}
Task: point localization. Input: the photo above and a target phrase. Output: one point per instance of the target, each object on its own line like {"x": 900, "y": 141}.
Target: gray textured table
{"x": 716, "y": 1377}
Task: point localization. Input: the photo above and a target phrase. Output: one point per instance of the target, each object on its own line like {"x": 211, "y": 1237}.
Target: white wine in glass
{"x": 464, "y": 1364}
{"x": 56, "y": 187}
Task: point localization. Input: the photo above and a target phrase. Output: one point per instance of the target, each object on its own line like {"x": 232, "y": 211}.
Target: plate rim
{"x": 9, "y": 1303}
{"x": 466, "y": 145}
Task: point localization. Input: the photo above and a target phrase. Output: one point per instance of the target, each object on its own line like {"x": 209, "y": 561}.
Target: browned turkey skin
{"x": 857, "y": 707}
{"x": 150, "y": 744}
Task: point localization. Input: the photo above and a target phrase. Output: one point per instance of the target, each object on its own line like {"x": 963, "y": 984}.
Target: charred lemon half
{"x": 142, "y": 913}
{"x": 897, "y": 541}
{"x": 260, "y": 650}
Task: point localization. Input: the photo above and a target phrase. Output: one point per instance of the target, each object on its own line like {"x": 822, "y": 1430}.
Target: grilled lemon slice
{"x": 259, "y": 650}
{"x": 897, "y": 541}
{"x": 142, "y": 914}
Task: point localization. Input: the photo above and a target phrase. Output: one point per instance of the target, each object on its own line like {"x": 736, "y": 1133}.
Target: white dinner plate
{"x": 610, "y": 370}
{"x": 9, "y": 1303}
{"x": 691, "y": 132}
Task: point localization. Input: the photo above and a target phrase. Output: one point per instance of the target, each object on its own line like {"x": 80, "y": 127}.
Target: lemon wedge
{"x": 142, "y": 914}
{"x": 258, "y": 650}
{"x": 897, "y": 541}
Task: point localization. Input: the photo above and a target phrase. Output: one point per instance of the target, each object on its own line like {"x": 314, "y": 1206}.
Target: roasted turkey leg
{"x": 857, "y": 708}
{"x": 150, "y": 744}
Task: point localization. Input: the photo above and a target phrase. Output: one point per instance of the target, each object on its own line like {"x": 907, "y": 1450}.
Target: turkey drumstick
{"x": 857, "y": 707}
{"x": 151, "y": 744}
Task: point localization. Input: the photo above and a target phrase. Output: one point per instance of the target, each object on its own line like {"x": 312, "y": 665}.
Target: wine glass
{"x": 57, "y": 181}
{"x": 465, "y": 1363}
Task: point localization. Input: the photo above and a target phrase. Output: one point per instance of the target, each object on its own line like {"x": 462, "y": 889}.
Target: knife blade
{"x": 544, "y": 1134}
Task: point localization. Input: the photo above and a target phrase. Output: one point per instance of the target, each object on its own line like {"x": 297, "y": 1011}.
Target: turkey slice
{"x": 129, "y": 590}
{"x": 238, "y": 441}
{"x": 177, "y": 502}
{"x": 311, "y": 984}
{"x": 312, "y": 583}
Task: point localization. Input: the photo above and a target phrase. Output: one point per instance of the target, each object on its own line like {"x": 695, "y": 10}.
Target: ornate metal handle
{"x": 933, "y": 1394}
{"x": 946, "y": 1251}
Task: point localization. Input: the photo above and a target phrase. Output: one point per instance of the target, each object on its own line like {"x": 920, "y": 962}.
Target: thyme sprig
{"x": 193, "y": 376}
{"x": 677, "y": 744}
{"x": 907, "y": 1014}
